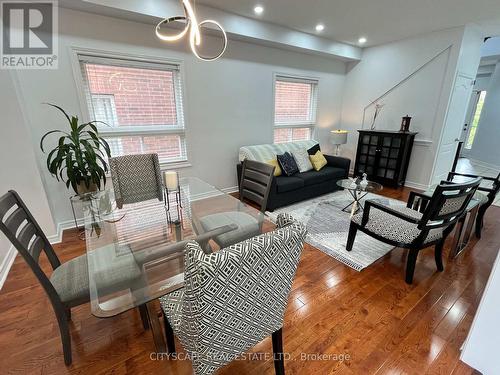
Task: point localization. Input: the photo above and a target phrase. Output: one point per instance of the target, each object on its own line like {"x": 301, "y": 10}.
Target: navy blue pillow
{"x": 287, "y": 164}
{"x": 314, "y": 149}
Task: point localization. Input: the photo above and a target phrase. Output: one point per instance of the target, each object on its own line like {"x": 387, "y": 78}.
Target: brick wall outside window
{"x": 294, "y": 104}
{"x": 139, "y": 97}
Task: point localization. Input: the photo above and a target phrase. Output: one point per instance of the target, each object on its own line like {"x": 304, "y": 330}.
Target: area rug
{"x": 328, "y": 226}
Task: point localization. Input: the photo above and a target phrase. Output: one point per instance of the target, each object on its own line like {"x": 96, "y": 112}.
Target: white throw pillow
{"x": 302, "y": 159}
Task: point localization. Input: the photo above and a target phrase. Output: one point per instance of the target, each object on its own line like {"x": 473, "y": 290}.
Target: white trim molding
{"x": 416, "y": 185}
{"x": 6, "y": 265}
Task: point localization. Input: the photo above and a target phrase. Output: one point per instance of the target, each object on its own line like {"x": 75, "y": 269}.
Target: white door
{"x": 453, "y": 127}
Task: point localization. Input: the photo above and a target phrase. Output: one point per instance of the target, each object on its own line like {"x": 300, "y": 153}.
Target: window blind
{"x": 295, "y": 101}
{"x": 138, "y": 103}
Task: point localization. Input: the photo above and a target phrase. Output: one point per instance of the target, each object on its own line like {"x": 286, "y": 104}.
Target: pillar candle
{"x": 171, "y": 180}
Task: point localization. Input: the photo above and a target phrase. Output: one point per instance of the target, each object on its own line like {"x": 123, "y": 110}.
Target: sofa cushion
{"x": 284, "y": 183}
{"x": 288, "y": 164}
{"x": 318, "y": 161}
{"x": 314, "y": 149}
{"x": 317, "y": 177}
{"x": 302, "y": 159}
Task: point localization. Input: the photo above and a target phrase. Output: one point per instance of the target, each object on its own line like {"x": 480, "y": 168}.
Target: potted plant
{"x": 79, "y": 159}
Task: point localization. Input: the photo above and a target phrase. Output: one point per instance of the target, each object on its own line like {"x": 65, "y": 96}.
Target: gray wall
{"x": 18, "y": 169}
{"x": 424, "y": 94}
{"x": 229, "y": 103}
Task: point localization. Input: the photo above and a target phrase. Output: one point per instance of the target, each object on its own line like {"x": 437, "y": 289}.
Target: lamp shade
{"x": 339, "y": 137}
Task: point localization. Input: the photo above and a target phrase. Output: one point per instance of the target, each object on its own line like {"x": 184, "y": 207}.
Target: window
{"x": 139, "y": 105}
{"x": 480, "y": 97}
{"x": 295, "y": 106}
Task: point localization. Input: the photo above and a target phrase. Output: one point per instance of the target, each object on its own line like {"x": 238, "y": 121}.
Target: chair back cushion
{"x": 236, "y": 297}
{"x": 263, "y": 153}
{"x": 136, "y": 178}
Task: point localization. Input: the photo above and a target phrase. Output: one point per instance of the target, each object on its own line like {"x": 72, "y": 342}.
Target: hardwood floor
{"x": 372, "y": 319}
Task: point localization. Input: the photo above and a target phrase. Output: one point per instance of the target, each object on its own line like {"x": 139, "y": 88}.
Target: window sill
{"x": 175, "y": 165}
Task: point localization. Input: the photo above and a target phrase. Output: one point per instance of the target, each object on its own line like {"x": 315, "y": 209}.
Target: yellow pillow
{"x": 318, "y": 160}
{"x": 274, "y": 163}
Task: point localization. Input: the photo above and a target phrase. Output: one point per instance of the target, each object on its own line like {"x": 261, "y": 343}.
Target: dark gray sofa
{"x": 301, "y": 186}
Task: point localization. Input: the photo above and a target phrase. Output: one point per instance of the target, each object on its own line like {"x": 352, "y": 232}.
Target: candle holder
{"x": 172, "y": 187}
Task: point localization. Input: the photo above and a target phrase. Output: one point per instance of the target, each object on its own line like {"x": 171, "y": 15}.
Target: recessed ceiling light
{"x": 259, "y": 9}
{"x": 362, "y": 40}
{"x": 320, "y": 27}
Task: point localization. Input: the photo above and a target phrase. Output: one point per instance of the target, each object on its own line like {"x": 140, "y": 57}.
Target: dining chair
{"x": 136, "y": 178}
{"x": 234, "y": 298}
{"x": 68, "y": 285}
{"x": 421, "y": 223}
{"x": 255, "y": 185}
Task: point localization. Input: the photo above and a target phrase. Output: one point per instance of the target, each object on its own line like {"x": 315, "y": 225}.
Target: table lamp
{"x": 339, "y": 137}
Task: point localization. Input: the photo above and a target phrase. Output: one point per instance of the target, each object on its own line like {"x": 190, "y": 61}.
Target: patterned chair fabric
{"x": 136, "y": 178}
{"x": 383, "y": 224}
{"x": 263, "y": 153}
{"x": 235, "y": 297}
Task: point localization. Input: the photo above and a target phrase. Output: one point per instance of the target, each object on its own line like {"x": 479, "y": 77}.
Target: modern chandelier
{"x": 193, "y": 27}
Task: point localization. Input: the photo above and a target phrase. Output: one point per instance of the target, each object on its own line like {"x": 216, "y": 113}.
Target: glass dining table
{"x": 136, "y": 254}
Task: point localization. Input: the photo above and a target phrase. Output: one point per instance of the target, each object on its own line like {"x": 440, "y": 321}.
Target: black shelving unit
{"x": 384, "y": 156}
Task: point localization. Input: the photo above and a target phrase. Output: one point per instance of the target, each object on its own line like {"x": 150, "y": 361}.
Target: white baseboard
{"x": 416, "y": 185}
{"x": 484, "y": 164}
{"x": 7, "y": 264}
{"x": 230, "y": 190}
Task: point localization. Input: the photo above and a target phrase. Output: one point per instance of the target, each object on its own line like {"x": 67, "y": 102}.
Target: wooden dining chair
{"x": 136, "y": 178}
{"x": 255, "y": 184}
{"x": 68, "y": 286}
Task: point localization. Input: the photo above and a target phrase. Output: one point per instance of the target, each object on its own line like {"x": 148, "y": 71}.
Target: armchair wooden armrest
{"x": 451, "y": 174}
{"x": 381, "y": 207}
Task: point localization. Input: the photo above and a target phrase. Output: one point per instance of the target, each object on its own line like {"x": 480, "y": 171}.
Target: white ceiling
{"x": 381, "y": 21}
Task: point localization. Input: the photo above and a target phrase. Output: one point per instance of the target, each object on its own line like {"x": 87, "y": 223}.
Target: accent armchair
{"x": 423, "y": 222}
{"x": 485, "y": 194}
{"x": 235, "y": 297}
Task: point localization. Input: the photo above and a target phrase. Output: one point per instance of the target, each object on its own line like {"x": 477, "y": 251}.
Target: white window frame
{"x": 311, "y": 123}
{"x": 140, "y": 61}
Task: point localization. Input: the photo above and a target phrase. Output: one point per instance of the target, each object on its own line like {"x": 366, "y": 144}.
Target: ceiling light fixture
{"x": 362, "y": 40}
{"x": 320, "y": 27}
{"x": 193, "y": 27}
{"x": 259, "y": 9}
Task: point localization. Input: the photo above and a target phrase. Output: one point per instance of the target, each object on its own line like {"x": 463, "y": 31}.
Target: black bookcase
{"x": 384, "y": 156}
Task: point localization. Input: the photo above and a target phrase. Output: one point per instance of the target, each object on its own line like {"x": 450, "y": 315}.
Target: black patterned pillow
{"x": 287, "y": 164}
{"x": 314, "y": 149}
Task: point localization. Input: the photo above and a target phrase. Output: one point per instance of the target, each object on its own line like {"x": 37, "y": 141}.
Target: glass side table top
{"x": 135, "y": 255}
{"x": 350, "y": 184}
